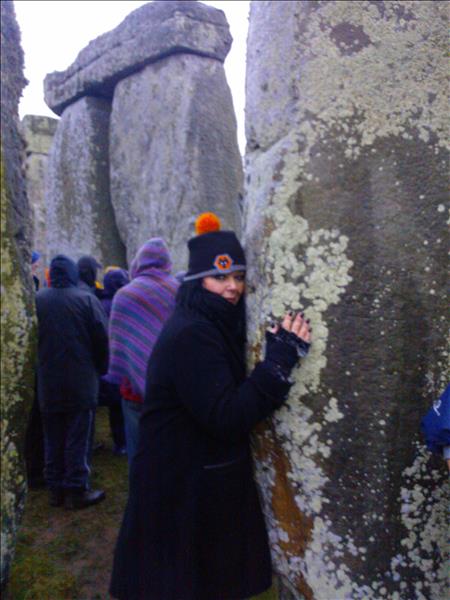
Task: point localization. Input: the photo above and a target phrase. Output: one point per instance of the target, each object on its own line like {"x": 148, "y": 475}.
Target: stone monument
{"x": 153, "y": 97}
{"x": 345, "y": 216}
{"x": 17, "y": 306}
{"x": 38, "y": 133}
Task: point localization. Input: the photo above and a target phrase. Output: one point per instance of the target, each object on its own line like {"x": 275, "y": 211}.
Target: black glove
{"x": 283, "y": 349}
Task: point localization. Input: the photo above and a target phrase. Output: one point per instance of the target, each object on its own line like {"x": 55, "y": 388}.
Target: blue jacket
{"x": 72, "y": 342}
{"x": 435, "y": 424}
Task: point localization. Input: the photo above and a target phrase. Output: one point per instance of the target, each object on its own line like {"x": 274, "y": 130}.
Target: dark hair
{"x": 188, "y": 292}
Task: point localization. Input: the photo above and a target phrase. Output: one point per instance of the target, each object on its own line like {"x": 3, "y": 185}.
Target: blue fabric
{"x": 131, "y": 414}
{"x": 113, "y": 281}
{"x": 435, "y": 424}
{"x": 67, "y": 438}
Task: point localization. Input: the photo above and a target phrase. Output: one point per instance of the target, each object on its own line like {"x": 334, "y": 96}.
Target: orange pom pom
{"x": 207, "y": 222}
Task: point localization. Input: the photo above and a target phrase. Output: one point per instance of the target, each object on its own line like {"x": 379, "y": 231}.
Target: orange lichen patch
{"x": 207, "y": 222}
{"x": 289, "y": 518}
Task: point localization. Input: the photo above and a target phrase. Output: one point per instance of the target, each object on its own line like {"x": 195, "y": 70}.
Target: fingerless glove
{"x": 283, "y": 349}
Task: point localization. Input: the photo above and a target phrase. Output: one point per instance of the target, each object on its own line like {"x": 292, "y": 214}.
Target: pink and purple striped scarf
{"x": 138, "y": 313}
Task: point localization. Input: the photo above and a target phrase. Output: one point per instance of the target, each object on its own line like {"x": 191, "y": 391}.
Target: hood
{"x": 113, "y": 280}
{"x": 63, "y": 272}
{"x": 87, "y": 269}
{"x": 152, "y": 256}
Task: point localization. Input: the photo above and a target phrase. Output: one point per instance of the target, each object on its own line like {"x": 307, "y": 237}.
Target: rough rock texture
{"x": 151, "y": 32}
{"x": 17, "y": 316}
{"x": 80, "y": 218}
{"x": 173, "y": 152}
{"x": 347, "y": 172}
{"x": 38, "y": 133}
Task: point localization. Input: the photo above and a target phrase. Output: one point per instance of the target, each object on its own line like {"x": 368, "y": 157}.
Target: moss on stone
{"x": 17, "y": 343}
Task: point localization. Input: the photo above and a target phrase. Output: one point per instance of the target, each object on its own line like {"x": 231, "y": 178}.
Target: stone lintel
{"x": 150, "y": 33}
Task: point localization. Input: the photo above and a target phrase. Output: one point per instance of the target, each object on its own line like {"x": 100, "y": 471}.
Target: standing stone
{"x": 38, "y": 133}
{"x": 347, "y": 171}
{"x": 80, "y": 217}
{"x": 173, "y": 152}
{"x": 17, "y": 313}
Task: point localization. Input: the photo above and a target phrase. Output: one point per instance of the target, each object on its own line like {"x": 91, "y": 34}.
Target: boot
{"x": 76, "y": 498}
{"x": 55, "y": 496}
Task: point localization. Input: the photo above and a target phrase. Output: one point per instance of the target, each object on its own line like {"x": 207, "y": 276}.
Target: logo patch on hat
{"x": 223, "y": 262}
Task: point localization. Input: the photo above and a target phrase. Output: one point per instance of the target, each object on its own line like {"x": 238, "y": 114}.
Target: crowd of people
{"x": 94, "y": 340}
{"x": 166, "y": 354}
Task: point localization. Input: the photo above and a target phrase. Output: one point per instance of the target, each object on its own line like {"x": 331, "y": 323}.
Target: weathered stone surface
{"x": 173, "y": 152}
{"x": 17, "y": 316}
{"x": 149, "y": 33}
{"x": 38, "y": 133}
{"x": 80, "y": 218}
{"x": 347, "y": 173}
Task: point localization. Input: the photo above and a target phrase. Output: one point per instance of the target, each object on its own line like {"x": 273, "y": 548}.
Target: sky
{"x": 54, "y": 32}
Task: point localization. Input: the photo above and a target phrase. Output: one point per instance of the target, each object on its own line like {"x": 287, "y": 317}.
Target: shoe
{"x": 77, "y": 499}
{"x": 56, "y": 497}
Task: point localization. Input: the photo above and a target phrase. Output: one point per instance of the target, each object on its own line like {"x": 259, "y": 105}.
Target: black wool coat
{"x": 72, "y": 348}
{"x": 193, "y": 528}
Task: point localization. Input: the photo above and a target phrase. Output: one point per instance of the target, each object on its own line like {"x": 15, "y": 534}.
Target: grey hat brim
{"x": 214, "y": 272}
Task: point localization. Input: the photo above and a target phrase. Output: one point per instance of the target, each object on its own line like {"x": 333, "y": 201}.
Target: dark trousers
{"x": 67, "y": 438}
{"x": 34, "y": 445}
{"x": 109, "y": 395}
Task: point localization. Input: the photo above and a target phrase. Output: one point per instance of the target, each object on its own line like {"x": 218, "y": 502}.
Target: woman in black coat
{"x": 193, "y": 528}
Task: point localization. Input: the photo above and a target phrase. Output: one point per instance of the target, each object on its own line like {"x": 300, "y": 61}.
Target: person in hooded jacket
{"x": 138, "y": 313}
{"x": 87, "y": 274}
{"x": 72, "y": 353}
{"x": 109, "y": 393}
{"x": 193, "y": 528}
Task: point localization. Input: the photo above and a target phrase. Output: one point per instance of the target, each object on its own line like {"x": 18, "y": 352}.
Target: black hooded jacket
{"x": 87, "y": 273}
{"x": 72, "y": 342}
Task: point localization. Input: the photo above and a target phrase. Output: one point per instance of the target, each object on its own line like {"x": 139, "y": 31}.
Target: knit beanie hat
{"x": 213, "y": 252}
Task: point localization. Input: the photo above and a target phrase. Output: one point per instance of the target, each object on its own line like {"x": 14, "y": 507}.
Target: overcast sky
{"x": 54, "y": 32}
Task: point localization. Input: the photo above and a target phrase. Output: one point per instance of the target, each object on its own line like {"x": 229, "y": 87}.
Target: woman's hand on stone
{"x": 296, "y": 324}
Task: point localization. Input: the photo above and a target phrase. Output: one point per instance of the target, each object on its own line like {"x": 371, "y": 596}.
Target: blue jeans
{"x": 66, "y": 438}
{"x": 131, "y": 413}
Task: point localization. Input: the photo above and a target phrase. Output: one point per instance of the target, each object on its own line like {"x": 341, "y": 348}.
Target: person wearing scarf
{"x": 138, "y": 312}
{"x": 193, "y": 527}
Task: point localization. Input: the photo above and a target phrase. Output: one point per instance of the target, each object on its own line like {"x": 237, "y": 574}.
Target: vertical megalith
{"x": 38, "y": 133}
{"x": 347, "y": 173}
{"x": 80, "y": 218}
{"x": 173, "y": 152}
{"x": 17, "y": 312}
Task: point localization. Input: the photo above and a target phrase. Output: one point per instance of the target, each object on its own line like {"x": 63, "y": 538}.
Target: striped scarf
{"x": 139, "y": 311}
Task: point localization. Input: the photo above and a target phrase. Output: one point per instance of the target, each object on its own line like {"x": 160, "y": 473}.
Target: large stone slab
{"x": 38, "y": 133}
{"x": 173, "y": 152}
{"x": 17, "y": 307}
{"x": 80, "y": 218}
{"x": 149, "y": 33}
{"x": 347, "y": 172}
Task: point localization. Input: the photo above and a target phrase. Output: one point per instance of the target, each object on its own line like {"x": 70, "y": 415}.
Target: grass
{"x": 67, "y": 555}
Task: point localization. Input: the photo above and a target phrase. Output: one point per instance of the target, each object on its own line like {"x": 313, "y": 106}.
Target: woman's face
{"x": 230, "y": 286}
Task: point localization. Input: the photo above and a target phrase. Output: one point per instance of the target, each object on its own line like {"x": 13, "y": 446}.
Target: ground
{"x": 67, "y": 555}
